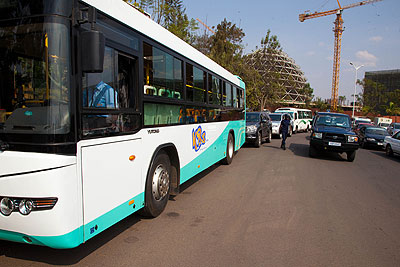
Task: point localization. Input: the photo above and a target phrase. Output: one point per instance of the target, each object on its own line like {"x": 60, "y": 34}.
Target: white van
{"x": 301, "y": 118}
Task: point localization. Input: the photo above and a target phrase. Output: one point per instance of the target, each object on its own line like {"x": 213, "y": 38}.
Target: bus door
{"x": 111, "y": 162}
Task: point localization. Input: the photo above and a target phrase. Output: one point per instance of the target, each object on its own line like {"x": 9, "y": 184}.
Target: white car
{"x": 392, "y": 144}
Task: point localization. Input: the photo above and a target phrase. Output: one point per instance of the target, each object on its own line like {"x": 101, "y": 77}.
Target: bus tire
{"x": 157, "y": 186}
{"x": 230, "y": 150}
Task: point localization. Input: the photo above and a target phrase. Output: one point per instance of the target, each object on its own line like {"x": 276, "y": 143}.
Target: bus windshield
{"x": 34, "y": 79}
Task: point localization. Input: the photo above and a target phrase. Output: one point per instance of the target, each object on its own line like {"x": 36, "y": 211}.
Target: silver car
{"x": 276, "y": 119}
{"x": 392, "y": 144}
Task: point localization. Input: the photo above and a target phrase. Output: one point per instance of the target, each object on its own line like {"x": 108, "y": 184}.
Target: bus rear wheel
{"x": 157, "y": 186}
{"x": 230, "y": 149}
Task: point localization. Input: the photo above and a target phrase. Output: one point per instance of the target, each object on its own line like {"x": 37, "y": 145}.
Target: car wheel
{"x": 258, "y": 141}
{"x": 312, "y": 151}
{"x": 269, "y": 137}
{"x": 363, "y": 145}
{"x": 351, "y": 156}
{"x": 157, "y": 186}
{"x": 389, "y": 151}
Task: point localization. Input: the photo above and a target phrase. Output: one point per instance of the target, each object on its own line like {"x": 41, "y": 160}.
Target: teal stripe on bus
{"x": 215, "y": 152}
{"x": 113, "y": 216}
{"x": 83, "y": 233}
{"x": 70, "y": 240}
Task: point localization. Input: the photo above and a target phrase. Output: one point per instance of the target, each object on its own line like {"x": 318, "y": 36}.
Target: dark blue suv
{"x": 332, "y": 132}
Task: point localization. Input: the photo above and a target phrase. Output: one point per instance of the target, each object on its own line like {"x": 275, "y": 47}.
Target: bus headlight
{"x": 6, "y": 206}
{"x": 25, "y": 206}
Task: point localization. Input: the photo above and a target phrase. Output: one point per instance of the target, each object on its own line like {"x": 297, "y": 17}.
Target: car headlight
{"x": 352, "y": 139}
{"x": 251, "y": 128}
{"x": 317, "y": 135}
{"x": 371, "y": 139}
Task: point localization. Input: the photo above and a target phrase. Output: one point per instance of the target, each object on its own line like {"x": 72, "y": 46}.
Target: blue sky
{"x": 371, "y": 36}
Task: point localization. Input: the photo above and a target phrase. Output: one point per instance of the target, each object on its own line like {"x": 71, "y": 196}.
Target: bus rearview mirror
{"x": 92, "y": 51}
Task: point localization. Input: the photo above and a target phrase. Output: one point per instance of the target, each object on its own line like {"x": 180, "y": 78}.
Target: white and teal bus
{"x": 102, "y": 113}
{"x": 301, "y": 118}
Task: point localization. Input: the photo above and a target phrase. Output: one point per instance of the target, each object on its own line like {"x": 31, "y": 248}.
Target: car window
{"x": 252, "y": 117}
{"x": 375, "y": 131}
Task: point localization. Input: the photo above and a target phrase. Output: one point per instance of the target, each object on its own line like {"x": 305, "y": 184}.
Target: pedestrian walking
{"x": 284, "y": 129}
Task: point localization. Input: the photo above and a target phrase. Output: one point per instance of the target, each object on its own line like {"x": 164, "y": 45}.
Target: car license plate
{"x": 380, "y": 144}
{"x": 334, "y": 144}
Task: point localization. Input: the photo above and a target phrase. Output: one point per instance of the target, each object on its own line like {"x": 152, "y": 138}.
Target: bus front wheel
{"x": 157, "y": 186}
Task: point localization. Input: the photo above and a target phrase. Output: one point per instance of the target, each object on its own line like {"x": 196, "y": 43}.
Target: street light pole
{"x": 355, "y": 85}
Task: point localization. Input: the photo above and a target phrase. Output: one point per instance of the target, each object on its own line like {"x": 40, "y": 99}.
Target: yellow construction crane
{"x": 205, "y": 25}
{"x": 338, "y": 30}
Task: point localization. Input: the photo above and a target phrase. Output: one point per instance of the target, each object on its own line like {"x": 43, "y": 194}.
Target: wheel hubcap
{"x": 160, "y": 182}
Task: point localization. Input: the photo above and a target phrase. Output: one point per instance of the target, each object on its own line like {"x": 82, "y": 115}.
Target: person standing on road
{"x": 284, "y": 129}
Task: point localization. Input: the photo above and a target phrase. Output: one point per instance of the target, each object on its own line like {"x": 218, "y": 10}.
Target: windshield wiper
{"x": 4, "y": 146}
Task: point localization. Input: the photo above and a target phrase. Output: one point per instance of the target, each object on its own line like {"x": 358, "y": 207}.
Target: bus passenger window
{"x": 163, "y": 73}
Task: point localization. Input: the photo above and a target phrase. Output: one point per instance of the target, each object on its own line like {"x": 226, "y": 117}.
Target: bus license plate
{"x": 334, "y": 144}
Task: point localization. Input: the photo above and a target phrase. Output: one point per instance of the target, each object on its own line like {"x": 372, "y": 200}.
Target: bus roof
{"x": 130, "y": 16}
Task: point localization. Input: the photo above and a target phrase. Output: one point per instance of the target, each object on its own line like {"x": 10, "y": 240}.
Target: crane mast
{"x": 338, "y": 30}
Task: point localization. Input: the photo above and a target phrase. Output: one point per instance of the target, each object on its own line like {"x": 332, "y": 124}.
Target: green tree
{"x": 392, "y": 109}
{"x": 320, "y": 104}
{"x": 171, "y": 14}
{"x": 226, "y": 45}
{"x": 308, "y": 93}
{"x": 342, "y": 100}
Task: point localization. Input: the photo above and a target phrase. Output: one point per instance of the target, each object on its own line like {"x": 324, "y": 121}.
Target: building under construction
{"x": 289, "y": 75}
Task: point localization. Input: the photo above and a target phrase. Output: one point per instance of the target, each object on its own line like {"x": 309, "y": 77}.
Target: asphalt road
{"x": 269, "y": 208}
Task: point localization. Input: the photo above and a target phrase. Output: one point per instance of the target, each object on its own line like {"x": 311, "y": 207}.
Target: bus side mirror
{"x": 92, "y": 51}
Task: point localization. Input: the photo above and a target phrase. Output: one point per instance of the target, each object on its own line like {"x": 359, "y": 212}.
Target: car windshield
{"x": 252, "y": 117}
{"x": 333, "y": 120}
{"x": 376, "y": 131}
{"x": 383, "y": 124}
{"x": 34, "y": 79}
{"x": 275, "y": 117}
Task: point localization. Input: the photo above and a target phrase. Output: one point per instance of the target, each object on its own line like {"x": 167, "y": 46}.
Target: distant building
{"x": 390, "y": 79}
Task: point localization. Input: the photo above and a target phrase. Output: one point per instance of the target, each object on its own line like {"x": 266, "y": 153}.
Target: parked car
{"x": 357, "y": 120}
{"x": 276, "y": 119}
{"x": 332, "y": 132}
{"x": 372, "y": 137}
{"x": 392, "y": 144}
{"x": 393, "y": 128}
{"x": 258, "y": 128}
{"x": 358, "y": 126}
